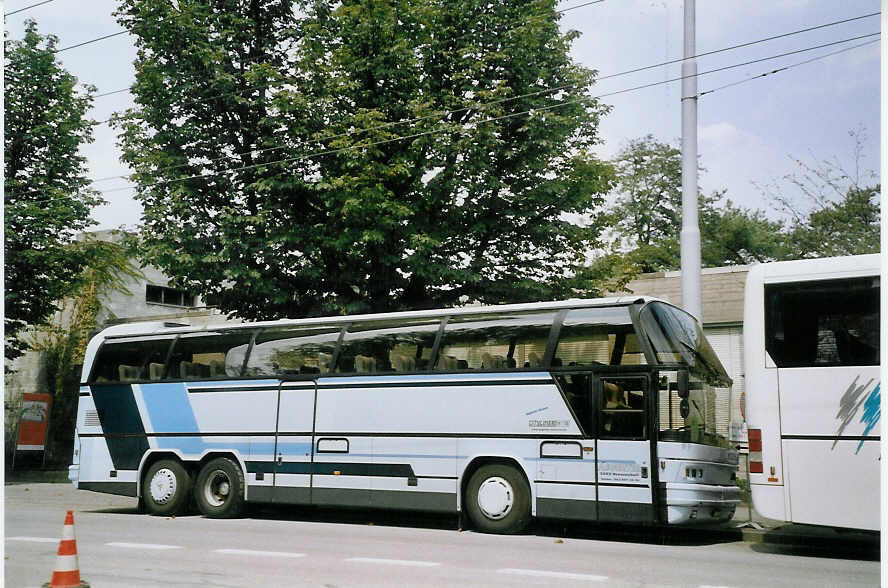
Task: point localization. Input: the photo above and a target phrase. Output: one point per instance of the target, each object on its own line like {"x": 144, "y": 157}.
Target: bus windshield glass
{"x": 676, "y": 337}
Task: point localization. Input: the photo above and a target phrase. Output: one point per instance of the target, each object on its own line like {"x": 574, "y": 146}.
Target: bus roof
{"x": 165, "y": 328}
{"x": 815, "y": 269}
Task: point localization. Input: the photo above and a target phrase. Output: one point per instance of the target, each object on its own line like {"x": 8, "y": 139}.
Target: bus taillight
{"x": 755, "y": 451}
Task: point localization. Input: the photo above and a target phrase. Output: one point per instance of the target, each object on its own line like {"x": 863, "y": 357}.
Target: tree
{"x": 647, "y": 215}
{"x": 849, "y": 226}
{"x": 833, "y": 211}
{"x": 375, "y": 156}
{"x": 47, "y": 200}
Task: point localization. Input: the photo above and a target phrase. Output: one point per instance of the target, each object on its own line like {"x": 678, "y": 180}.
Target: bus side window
{"x": 293, "y": 351}
{"x": 388, "y": 346}
{"x": 493, "y": 342}
{"x": 204, "y": 356}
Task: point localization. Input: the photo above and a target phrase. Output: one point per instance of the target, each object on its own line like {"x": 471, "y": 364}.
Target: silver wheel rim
{"x": 495, "y": 498}
{"x": 217, "y": 488}
{"x": 163, "y": 485}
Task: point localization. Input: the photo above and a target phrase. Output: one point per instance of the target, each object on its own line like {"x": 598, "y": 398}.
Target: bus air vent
{"x": 91, "y": 419}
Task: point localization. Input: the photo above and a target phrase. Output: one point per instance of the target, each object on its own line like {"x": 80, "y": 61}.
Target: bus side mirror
{"x": 683, "y": 385}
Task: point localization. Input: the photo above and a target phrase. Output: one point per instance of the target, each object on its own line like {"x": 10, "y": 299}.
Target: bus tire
{"x": 498, "y": 499}
{"x": 219, "y": 490}
{"x": 166, "y": 488}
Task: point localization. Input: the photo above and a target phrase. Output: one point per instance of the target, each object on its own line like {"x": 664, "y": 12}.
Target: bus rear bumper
{"x": 699, "y": 503}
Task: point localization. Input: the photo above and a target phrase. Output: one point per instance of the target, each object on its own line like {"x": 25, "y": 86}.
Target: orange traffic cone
{"x": 67, "y": 571}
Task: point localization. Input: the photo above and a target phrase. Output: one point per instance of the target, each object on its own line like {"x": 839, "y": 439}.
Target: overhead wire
{"x": 7, "y": 14}
{"x": 430, "y": 132}
{"x": 90, "y": 41}
{"x": 786, "y": 67}
{"x": 556, "y": 89}
{"x": 562, "y": 11}
{"x": 442, "y": 114}
{"x": 540, "y": 109}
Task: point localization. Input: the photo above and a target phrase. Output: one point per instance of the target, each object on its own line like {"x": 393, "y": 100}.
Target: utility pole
{"x": 691, "y": 297}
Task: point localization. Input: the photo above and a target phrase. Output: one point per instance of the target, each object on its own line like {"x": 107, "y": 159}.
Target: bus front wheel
{"x": 498, "y": 499}
{"x": 219, "y": 490}
{"x": 166, "y": 488}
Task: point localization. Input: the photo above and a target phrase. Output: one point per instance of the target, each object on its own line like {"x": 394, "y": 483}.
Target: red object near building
{"x": 33, "y": 422}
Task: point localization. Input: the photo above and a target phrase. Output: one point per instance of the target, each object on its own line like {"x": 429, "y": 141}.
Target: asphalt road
{"x": 304, "y": 547}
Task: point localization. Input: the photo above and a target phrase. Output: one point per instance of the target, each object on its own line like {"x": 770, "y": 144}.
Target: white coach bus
{"x": 595, "y": 410}
{"x": 811, "y": 355}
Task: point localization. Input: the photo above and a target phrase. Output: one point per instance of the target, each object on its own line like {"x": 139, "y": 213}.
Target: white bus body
{"x": 811, "y": 350}
{"x": 505, "y": 412}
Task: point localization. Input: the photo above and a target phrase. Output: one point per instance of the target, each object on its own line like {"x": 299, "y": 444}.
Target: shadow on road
{"x": 812, "y": 541}
{"x": 560, "y": 529}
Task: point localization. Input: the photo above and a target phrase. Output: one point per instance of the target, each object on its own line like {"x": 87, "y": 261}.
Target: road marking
{"x": 260, "y": 553}
{"x": 143, "y": 546}
{"x": 395, "y": 562}
{"x": 34, "y": 539}
{"x": 550, "y": 574}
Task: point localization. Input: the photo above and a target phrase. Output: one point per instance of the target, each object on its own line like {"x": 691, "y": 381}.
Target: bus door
{"x": 621, "y": 404}
{"x": 565, "y": 483}
{"x": 293, "y": 442}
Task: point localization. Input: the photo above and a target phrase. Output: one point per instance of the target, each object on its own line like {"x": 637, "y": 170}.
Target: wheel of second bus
{"x": 166, "y": 488}
{"x": 498, "y": 499}
{"x": 219, "y": 490}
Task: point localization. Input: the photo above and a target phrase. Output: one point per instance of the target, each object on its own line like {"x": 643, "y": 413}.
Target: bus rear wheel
{"x": 219, "y": 491}
{"x": 498, "y": 499}
{"x": 166, "y": 488}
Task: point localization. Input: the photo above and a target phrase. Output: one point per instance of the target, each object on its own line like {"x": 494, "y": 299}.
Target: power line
{"x": 780, "y": 69}
{"x": 5, "y": 14}
{"x": 610, "y": 76}
{"x": 636, "y": 70}
{"x": 90, "y": 41}
{"x": 442, "y": 114}
{"x": 485, "y": 121}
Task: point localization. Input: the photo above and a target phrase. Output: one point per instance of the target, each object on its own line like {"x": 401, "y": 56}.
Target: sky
{"x": 748, "y": 134}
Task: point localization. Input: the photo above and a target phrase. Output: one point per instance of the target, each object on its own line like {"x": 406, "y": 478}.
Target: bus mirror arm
{"x": 683, "y": 384}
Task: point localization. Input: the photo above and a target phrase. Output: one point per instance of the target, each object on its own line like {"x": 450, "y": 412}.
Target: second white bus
{"x": 811, "y": 357}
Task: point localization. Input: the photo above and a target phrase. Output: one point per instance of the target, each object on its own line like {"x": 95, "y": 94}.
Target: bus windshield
{"x": 676, "y": 337}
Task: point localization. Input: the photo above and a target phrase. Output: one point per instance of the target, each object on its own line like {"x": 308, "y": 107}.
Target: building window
{"x": 171, "y": 296}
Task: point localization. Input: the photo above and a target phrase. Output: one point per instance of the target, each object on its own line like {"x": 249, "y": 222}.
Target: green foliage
{"x": 46, "y": 196}
{"x": 849, "y": 226}
{"x": 647, "y": 215}
{"x": 367, "y": 156}
{"x": 63, "y": 338}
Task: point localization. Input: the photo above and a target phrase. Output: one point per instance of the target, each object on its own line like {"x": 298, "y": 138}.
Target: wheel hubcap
{"x": 217, "y": 488}
{"x": 162, "y": 486}
{"x": 495, "y": 497}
